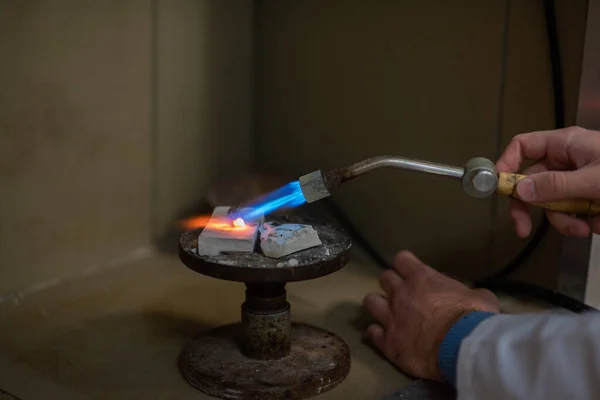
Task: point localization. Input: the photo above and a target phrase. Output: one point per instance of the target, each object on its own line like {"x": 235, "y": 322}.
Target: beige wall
{"x": 74, "y": 122}
{"x": 204, "y": 81}
{"x": 112, "y": 116}
{"x": 344, "y": 80}
{"x": 115, "y": 116}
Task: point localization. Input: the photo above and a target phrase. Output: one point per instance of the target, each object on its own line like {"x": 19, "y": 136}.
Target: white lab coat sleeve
{"x": 531, "y": 356}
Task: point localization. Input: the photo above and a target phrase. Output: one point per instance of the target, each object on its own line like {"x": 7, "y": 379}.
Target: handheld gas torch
{"x": 479, "y": 179}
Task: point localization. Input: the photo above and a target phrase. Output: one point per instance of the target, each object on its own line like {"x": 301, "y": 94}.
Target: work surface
{"x": 116, "y": 334}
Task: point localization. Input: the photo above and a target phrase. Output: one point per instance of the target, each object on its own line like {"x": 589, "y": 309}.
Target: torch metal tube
{"x": 318, "y": 185}
{"x": 403, "y": 163}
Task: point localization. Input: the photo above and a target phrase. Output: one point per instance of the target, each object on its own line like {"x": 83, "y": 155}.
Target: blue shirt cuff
{"x": 448, "y": 352}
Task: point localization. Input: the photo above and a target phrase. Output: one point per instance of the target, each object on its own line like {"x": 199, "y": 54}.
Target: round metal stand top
{"x": 311, "y": 263}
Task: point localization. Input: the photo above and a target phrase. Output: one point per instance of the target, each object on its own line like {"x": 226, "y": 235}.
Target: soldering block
{"x": 277, "y": 241}
{"x": 219, "y": 236}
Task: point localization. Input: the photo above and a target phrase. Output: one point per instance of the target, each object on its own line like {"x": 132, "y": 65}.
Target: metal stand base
{"x": 214, "y": 363}
{"x": 266, "y": 356}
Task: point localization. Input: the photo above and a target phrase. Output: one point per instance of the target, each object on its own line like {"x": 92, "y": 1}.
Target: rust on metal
{"x": 266, "y": 356}
{"x": 317, "y": 362}
{"x": 265, "y": 297}
{"x": 266, "y": 336}
{"x": 266, "y": 323}
{"x": 336, "y": 177}
{"x": 333, "y": 179}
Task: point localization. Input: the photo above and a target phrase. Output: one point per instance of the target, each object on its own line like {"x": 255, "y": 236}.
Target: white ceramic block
{"x": 281, "y": 240}
{"x": 220, "y": 236}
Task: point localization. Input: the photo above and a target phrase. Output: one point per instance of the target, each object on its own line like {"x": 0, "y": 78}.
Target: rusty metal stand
{"x": 266, "y": 322}
{"x": 266, "y": 355}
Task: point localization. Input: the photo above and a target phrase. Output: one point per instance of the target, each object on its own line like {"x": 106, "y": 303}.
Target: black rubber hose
{"x": 555, "y": 64}
{"x": 519, "y": 261}
{"x": 498, "y": 281}
{"x": 559, "y": 122}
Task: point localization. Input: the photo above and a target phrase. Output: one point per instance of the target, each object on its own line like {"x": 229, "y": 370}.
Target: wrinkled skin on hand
{"x": 566, "y": 166}
{"x": 419, "y": 305}
{"x": 416, "y": 310}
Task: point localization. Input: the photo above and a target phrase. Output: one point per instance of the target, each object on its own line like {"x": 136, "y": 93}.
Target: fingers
{"x": 551, "y": 179}
{"x": 551, "y": 145}
{"x": 390, "y": 281}
{"x": 595, "y": 224}
{"x": 378, "y": 307}
{"x": 519, "y": 211}
{"x": 565, "y": 224}
{"x": 377, "y": 335}
{"x": 526, "y": 146}
{"x": 560, "y": 185}
{"x": 521, "y": 215}
{"x": 539, "y": 166}
{"x": 568, "y": 225}
{"x": 488, "y": 296}
{"x": 408, "y": 265}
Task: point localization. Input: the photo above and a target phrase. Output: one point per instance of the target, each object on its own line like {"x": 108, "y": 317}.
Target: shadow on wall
{"x": 202, "y": 105}
{"x": 74, "y": 136}
{"x": 168, "y": 241}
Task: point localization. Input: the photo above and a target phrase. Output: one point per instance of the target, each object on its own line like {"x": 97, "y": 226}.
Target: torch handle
{"x": 507, "y": 184}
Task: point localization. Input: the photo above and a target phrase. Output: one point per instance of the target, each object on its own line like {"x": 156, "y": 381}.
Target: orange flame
{"x": 200, "y": 221}
{"x": 212, "y": 223}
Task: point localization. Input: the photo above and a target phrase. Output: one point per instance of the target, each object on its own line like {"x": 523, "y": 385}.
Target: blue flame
{"x": 289, "y": 195}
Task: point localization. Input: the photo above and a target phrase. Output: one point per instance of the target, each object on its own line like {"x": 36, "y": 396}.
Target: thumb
{"x": 552, "y": 186}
